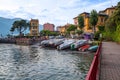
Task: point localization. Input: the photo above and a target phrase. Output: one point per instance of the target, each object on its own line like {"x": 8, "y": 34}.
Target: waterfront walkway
{"x": 110, "y": 61}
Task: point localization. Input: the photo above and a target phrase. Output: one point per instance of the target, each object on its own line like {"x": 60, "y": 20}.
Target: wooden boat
{"x": 66, "y": 44}
{"x": 93, "y": 48}
{"x": 84, "y": 48}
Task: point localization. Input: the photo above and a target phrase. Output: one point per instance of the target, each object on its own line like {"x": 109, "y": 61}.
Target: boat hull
{"x": 93, "y": 48}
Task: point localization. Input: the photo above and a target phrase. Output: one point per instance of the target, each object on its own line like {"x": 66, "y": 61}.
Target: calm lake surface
{"x": 36, "y": 63}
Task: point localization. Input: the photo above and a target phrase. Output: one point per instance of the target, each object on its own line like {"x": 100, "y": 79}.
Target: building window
{"x": 34, "y": 27}
{"x": 33, "y": 24}
{"x": 102, "y": 20}
{"x": 112, "y": 12}
{"x": 34, "y": 32}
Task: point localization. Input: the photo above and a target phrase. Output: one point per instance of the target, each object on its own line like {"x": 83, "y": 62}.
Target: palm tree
{"x": 93, "y": 19}
{"x": 80, "y": 22}
{"x": 20, "y": 26}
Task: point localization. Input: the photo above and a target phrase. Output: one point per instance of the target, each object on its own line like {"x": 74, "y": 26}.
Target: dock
{"x": 22, "y": 41}
{"x": 110, "y": 64}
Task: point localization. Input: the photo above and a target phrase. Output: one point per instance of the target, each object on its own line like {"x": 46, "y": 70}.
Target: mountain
{"x": 6, "y": 23}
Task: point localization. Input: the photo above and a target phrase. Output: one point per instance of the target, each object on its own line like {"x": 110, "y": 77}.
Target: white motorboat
{"x": 52, "y": 42}
{"x": 57, "y": 42}
{"x": 44, "y": 43}
{"x": 66, "y": 44}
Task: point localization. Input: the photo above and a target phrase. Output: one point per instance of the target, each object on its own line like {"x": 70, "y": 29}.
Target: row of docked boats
{"x": 61, "y": 44}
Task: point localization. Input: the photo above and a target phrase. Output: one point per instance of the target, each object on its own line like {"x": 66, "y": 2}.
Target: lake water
{"x": 36, "y": 63}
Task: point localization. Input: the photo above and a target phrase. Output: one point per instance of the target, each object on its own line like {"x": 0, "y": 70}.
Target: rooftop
{"x": 113, "y": 7}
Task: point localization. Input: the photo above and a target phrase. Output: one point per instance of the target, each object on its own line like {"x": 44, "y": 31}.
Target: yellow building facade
{"x": 86, "y": 22}
{"x": 63, "y": 29}
{"x": 34, "y": 27}
{"x": 108, "y": 11}
{"x": 102, "y": 17}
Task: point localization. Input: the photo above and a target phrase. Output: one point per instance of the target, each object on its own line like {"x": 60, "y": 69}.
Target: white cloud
{"x": 58, "y": 12}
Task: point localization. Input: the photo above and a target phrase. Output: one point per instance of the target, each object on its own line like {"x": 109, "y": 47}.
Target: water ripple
{"x": 35, "y": 63}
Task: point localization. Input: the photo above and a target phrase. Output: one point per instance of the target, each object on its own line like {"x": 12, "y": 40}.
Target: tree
{"x": 20, "y": 26}
{"x": 116, "y": 15}
{"x": 116, "y": 20}
{"x": 48, "y": 33}
{"x": 71, "y": 28}
{"x": 45, "y": 32}
{"x": 54, "y": 33}
{"x": 80, "y": 22}
{"x": 93, "y": 19}
{"x": 79, "y": 32}
{"x": 117, "y": 34}
{"x": 101, "y": 28}
{"x": 112, "y": 26}
{"x": 12, "y": 30}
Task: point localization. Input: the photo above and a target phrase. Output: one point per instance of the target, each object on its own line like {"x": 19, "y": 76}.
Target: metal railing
{"x": 94, "y": 68}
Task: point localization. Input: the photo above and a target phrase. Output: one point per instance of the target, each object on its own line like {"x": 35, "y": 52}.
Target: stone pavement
{"x": 110, "y": 61}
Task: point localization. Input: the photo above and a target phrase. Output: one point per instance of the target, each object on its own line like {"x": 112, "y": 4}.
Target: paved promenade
{"x": 110, "y": 61}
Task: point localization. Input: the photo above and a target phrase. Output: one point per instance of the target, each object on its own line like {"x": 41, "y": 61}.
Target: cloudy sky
{"x": 58, "y": 12}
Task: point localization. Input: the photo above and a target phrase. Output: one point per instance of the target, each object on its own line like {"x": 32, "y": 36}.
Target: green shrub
{"x": 117, "y": 34}
{"x": 108, "y": 36}
{"x": 97, "y": 35}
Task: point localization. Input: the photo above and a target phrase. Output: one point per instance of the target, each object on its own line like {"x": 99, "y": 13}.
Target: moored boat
{"x": 78, "y": 44}
{"x": 44, "y": 43}
{"x": 66, "y": 44}
{"x": 84, "y": 48}
{"x": 93, "y": 48}
{"x": 58, "y": 42}
{"x": 55, "y": 42}
{"x": 52, "y": 42}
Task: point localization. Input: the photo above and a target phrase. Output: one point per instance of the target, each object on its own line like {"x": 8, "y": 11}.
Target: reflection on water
{"x": 36, "y": 63}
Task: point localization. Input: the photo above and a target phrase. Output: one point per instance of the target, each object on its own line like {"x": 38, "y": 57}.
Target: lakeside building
{"x": 108, "y": 11}
{"x": 62, "y": 29}
{"x": 86, "y": 21}
{"x": 48, "y": 26}
{"x": 102, "y": 17}
{"x": 58, "y": 28}
{"x": 34, "y": 27}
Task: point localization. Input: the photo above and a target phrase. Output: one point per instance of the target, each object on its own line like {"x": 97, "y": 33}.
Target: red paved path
{"x": 110, "y": 61}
